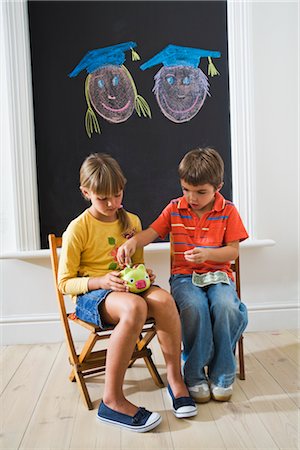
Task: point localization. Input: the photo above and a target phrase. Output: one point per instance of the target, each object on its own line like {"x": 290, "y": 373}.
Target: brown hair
{"x": 101, "y": 174}
{"x": 202, "y": 166}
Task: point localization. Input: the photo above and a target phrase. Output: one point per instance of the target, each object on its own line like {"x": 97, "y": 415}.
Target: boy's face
{"x": 200, "y": 198}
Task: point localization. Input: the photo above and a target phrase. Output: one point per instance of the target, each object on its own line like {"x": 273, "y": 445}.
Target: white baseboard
{"x": 268, "y": 317}
{"x": 40, "y": 329}
{"x": 47, "y": 328}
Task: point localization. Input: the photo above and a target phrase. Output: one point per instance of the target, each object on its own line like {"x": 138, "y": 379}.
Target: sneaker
{"x": 182, "y": 406}
{"x": 141, "y": 422}
{"x": 221, "y": 394}
{"x": 200, "y": 393}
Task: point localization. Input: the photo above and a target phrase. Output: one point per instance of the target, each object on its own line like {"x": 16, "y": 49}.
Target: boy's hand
{"x": 197, "y": 255}
{"x": 151, "y": 274}
{"x": 125, "y": 251}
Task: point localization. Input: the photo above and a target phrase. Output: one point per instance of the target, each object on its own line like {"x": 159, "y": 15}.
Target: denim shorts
{"x": 88, "y": 307}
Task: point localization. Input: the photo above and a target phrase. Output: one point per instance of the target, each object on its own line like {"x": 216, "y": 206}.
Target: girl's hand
{"x": 151, "y": 274}
{"x": 112, "y": 281}
{"x": 197, "y": 255}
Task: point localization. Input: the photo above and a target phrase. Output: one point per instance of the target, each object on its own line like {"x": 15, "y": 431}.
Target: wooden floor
{"x": 41, "y": 409}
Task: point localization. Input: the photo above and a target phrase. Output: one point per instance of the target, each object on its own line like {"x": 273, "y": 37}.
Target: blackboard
{"x": 148, "y": 150}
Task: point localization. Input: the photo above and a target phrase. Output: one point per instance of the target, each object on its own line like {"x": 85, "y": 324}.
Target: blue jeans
{"x": 212, "y": 320}
{"x": 88, "y": 307}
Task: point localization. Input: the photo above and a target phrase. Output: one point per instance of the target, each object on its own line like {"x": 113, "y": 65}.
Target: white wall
{"x": 276, "y": 121}
{"x": 269, "y": 274}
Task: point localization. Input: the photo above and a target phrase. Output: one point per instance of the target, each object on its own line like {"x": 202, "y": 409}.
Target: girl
{"x": 87, "y": 271}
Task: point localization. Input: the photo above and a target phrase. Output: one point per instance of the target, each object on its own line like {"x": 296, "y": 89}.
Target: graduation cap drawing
{"x": 109, "y": 86}
{"x": 180, "y": 85}
{"x": 174, "y": 55}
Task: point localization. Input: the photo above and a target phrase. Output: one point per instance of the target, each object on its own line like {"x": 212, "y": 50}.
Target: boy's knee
{"x": 195, "y": 312}
{"x": 226, "y": 305}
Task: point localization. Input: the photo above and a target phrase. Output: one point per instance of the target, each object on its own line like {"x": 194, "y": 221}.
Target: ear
{"x": 85, "y": 192}
{"x": 219, "y": 187}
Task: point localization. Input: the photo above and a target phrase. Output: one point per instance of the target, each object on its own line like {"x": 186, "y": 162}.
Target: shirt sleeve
{"x": 162, "y": 225}
{"x": 235, "y": 230}
{"x": 69, "y": 262}
{"x": 138, "y": 257}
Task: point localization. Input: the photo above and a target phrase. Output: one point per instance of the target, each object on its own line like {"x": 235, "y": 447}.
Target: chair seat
{"x": 95, "y": 328}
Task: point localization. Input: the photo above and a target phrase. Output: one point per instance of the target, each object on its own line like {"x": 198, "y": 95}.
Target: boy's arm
{"x": 129, "y": 247}
{"x": 199, "y": 255}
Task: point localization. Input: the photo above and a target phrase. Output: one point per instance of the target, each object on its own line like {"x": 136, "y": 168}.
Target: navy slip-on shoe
{"x": 183, "y": 406}
{"x": 141, "y": 422}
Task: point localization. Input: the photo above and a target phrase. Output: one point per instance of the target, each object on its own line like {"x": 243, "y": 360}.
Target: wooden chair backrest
{"x": 55, "y": 242}
{"x": 235, "y": 267}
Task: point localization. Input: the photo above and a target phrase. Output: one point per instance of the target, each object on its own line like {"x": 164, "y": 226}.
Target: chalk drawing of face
{"x": 109, "y": 87}
{"x": 180, "y": 92}
{"x": 180, "y": 85}
{"x": 111, "y": 93}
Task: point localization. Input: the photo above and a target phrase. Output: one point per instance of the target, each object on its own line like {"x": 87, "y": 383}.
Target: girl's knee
{"x": 166, "y": 301}
{"x": 160, "y": 301}
{"x": 135, "y": 311}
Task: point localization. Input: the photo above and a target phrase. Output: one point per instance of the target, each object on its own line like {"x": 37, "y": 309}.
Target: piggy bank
{"x": 137, "y": 278}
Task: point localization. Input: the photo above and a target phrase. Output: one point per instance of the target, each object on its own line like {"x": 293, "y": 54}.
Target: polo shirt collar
{"x": 219, "y": 204}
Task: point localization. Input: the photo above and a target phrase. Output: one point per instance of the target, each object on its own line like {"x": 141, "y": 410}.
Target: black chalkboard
{"x": 148, "y": 150}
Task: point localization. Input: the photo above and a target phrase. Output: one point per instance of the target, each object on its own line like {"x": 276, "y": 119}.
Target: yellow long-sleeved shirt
{"x": 89, "y": 250}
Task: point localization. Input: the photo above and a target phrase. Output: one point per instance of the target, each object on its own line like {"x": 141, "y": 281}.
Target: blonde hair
{"x": 101, "y": 174}
{"x": 202, "y": 166}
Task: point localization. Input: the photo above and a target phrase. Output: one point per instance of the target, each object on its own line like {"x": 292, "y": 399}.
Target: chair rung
{"x": 93, "y": 372}
{"x": 98, "y": 359}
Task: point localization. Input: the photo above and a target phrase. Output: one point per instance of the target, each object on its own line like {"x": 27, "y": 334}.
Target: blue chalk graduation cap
{"x": 175, "y": 55}
{"x": 113, "y": 55}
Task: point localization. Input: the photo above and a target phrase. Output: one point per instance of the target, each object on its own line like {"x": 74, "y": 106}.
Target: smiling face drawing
{"x": 180, "y": 92}
{"x": 111, "y": 93}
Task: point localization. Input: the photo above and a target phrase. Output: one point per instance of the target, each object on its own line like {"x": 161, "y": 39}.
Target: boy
{"x": 206, "y": 230}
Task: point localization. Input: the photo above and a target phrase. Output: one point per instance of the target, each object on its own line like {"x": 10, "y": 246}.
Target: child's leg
{"x": 229, "y": 318}
{"x": 195, "y": 319}
{"x": 162, "y": 308}
{"x": 128, "y": 312}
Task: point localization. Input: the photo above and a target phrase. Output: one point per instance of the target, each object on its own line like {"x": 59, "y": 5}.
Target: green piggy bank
{"x": 137, "y": 278}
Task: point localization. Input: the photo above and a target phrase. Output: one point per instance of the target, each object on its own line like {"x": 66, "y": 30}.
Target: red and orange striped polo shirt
{"x": 214, "y": 229}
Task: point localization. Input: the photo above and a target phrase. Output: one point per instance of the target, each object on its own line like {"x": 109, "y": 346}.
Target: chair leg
{"x": 86, "y": 350}
{"x": 141, "y": 344}
{"x": 241, "y": 358}
{"x": 153, "y": 371}
{"x": 83, "y": 390}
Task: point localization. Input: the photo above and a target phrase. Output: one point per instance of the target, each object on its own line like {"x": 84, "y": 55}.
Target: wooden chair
{"x": 235, "y": 266}
{"x": 89, "y": 362}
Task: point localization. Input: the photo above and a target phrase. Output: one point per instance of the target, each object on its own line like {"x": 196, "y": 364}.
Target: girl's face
{"x": 104, "y": 208}
{"x": 200, "y": 198}
{"x": 112, "y": 93}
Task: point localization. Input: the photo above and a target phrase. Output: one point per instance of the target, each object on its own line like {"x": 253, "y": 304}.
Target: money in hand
{"x": 205, "y": 279}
